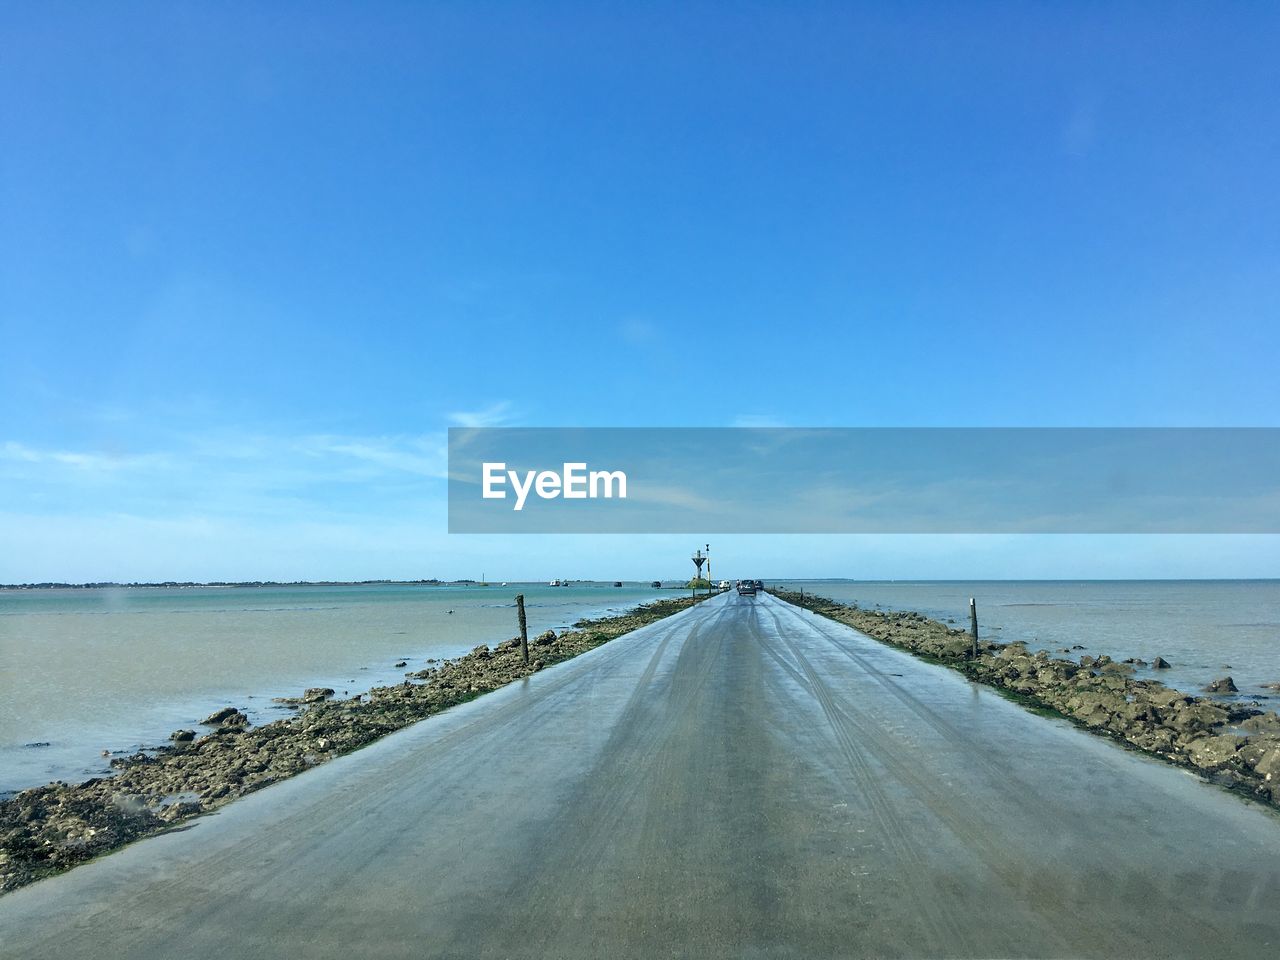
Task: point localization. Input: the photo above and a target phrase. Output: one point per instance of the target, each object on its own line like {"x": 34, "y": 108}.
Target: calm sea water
{"x": 1205, "y": 628}
{"x": 90, "y": 670}
{"x": 82, "y": 671}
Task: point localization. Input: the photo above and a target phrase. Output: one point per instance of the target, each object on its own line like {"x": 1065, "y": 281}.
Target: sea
{"x": 1205, "y": 629}
{"x": 89, "y": 674}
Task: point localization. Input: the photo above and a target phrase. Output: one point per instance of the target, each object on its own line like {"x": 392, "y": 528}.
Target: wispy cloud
{"x": 235, "y": 475}
{"x": 424, "y": 456}
{"x": 88, "y": 461}
{"x": 494, "y": 415}
{"x": 672, "y": 496}
{"x": 757, "y": 421}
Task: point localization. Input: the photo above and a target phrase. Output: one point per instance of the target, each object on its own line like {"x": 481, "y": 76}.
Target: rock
{"x": 1093, "y": 708}
{"x": 1267, "y": 723}
{"x": 316, "y": 694}
{"x": 1158, "y": 740}
{"x": 1162, "y": 696}
{"x": 182, "y": 736}
{"x": 1117, "y": 669}
{"x": 1210, "y": 753}
{"x": 402, "y": 663}
{"x": 546, "y": 639}
{"x": 481, "y": 652}
{"x": 1269, "y": 766}
{"x": 1159, "y": 663}
{"x": 1195, "y": 717}
{"x": 219, "y": 717}
{"x": 1271, "y": 686}
{"x": 1222, "y": 685}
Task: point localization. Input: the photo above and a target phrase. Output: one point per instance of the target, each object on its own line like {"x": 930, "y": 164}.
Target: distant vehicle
{"x": 617, "y": 583}
{"x": 746, "y": 588}
{"x": 657, "y": 584}
{"x": 724, "y": 584}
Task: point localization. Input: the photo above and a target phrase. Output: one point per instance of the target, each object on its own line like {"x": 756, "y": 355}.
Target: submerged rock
{"x": 220, "y": 717}
{"x": 1222, "y": 685}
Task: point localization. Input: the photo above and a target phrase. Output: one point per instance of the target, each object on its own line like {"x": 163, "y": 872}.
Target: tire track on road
{"x": 943, "y": 928}
{"x": 1051, "y": 909}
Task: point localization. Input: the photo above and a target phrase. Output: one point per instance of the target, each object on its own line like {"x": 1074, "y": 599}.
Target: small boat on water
{"x": 555, "y": 583}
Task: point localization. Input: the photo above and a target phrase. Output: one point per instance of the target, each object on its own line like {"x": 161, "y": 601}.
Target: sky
{"x": 256, "y": 259}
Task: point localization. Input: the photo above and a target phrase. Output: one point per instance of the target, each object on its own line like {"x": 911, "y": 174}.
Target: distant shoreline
{"x": 109, "y": 584}
{"x": 671, "y": 584}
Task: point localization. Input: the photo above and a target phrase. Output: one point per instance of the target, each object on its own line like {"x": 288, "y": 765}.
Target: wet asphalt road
{"x": 744, "y": 779}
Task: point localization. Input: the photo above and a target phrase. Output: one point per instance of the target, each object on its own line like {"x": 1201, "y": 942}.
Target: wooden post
{"x": 973, "y": 625}
{"x": 524, "y": 628}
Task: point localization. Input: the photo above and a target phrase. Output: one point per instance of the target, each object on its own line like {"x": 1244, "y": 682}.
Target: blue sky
{"x": 254, "y": 260}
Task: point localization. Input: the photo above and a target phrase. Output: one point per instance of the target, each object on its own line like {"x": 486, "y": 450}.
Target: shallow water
{"x": 1205, "y": 628}
{"x": 91, "y": 670}
{"x": 82, "y": 671}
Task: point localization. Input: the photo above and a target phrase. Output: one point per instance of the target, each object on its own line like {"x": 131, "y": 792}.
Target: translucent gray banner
{"x": 864, "y": 480}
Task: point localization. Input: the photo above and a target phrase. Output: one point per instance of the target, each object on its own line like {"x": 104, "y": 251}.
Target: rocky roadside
{"x": 1236, "y": 745}
{"x": 48, "y": 829}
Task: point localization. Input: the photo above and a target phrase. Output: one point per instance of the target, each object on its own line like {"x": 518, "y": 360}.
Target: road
{"x": 744, "y": 779}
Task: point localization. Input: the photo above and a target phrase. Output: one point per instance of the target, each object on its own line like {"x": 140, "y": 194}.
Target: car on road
{"x": 746, "y": 588}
